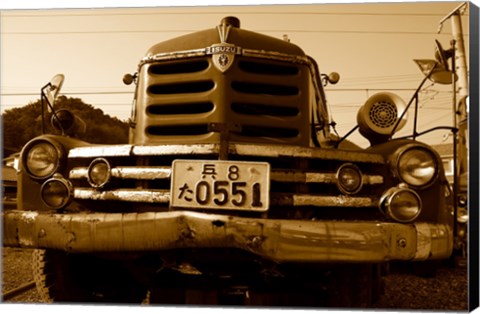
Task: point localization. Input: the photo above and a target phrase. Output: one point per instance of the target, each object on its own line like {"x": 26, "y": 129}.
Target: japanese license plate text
{"x": 220, "y": 184}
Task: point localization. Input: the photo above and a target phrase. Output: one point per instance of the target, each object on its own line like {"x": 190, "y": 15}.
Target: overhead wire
{"x": 290, "y": 31}
{"x": 13, "y": 14}
{"x": 101, "y": 13}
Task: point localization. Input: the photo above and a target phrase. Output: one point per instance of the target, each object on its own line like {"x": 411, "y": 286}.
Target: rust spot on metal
{"x": 42, "y": 233}
{"x": 218, "y": 223}
{"x": 70, "y": 239}
{"x": 187, "y": 234}
{"x": 402, "y": 243}
{"x": 255, "y": 242}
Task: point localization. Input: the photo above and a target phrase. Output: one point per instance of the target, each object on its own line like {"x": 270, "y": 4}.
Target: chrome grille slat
{"x": 138, "y": 173}
{"x": 273, "y": 151}
{"x": 125, "y": 195}
{"x": 281, "y": 199}
{"x": 160, "y": 172}
{"x": 277, "y": 199}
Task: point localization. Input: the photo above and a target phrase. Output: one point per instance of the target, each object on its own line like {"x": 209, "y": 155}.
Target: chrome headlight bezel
{"x": 107, "y": 173}
{"x": 53, "y": 162}
{"x": 388, "y": 202}
{"x": 408, "y": 176}
{"x": 66, "y": 195}
{"x": 342, "y": 186}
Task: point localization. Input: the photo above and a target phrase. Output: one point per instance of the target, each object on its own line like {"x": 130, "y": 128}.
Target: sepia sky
{"x": 371, "y": 46}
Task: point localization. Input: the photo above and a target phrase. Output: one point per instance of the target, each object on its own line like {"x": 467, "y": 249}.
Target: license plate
{"x": 220, "y": 184}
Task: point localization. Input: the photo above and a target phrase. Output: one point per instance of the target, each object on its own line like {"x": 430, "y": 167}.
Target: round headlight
{"x": 349, "y": 179}
{"x": 42, "y": 160}
{"x": 99, "y": 173}
{"x": 417, "y": 167}
{"x": 56, "y": 192}
{"x": 401, "y": 204}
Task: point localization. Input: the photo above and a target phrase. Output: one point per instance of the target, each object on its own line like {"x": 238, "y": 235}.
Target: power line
{"x": 374, "y": 89}
{"x": 130, "y": 93}
{"x": 97, "y": 104}
{"x": 67, "y": 93}
{"x": 291, "y": 31}
{"x": 103, "y": 14}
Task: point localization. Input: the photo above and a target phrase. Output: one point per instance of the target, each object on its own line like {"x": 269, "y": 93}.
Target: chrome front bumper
{"x": 278, "y": 240}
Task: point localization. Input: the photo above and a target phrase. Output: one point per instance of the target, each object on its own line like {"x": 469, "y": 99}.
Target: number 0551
{"x": 220, "y": 184}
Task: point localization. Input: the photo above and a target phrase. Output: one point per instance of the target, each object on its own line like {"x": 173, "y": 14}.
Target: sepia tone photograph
{"x": 268, "y": 156}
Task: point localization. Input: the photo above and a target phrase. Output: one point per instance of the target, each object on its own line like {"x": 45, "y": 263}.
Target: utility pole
{"x": 461, "y": 105}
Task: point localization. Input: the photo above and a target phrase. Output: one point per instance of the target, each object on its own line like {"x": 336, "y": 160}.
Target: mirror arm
{"x": 346, "y": 135}
{"x": 43, "y": 98}
{"x": 415, "y": 95}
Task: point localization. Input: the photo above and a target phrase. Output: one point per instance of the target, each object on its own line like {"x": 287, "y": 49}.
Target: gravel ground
{"x": 16, "y": 271}
{"x": 448, "y": 290}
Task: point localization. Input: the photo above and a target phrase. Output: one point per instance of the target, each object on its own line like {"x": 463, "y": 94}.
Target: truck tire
{"x": 64, "y": 277}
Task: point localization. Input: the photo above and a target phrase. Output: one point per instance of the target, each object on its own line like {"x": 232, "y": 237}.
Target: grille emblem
{"x": 223, "y": 53}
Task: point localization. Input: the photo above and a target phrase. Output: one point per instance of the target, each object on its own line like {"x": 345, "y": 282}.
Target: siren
{"x": 379, "y": 116}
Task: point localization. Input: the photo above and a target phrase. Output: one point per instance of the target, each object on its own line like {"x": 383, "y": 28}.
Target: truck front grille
{"x": 304, "y": 182}
{"x": 257, "y": 101}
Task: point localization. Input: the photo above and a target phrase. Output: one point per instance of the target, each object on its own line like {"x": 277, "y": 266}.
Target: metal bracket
{"x": 224, "y": 129}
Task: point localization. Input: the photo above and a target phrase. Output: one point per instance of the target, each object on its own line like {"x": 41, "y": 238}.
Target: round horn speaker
{"x": 379, "y": 115}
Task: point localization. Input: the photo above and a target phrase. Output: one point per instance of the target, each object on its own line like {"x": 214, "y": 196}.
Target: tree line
{"x": 20, "y": 125}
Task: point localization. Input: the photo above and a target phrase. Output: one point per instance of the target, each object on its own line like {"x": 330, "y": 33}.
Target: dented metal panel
{"x": 278, "y": 240}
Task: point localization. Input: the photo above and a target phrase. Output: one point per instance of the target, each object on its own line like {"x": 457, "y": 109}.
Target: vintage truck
{"x": 233, "y": 188}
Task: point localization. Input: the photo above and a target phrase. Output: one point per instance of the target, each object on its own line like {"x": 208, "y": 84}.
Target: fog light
{"x": 401, "y": 204}
{"x": 99, "y": 173}
{"x": 349, "y": 179}
{"x": 56, "y": 192}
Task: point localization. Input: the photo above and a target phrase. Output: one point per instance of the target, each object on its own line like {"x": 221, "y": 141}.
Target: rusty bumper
{"x": 278, "y": 240}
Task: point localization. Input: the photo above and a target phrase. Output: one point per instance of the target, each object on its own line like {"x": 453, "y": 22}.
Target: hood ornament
{"x": 223, "y": 53}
